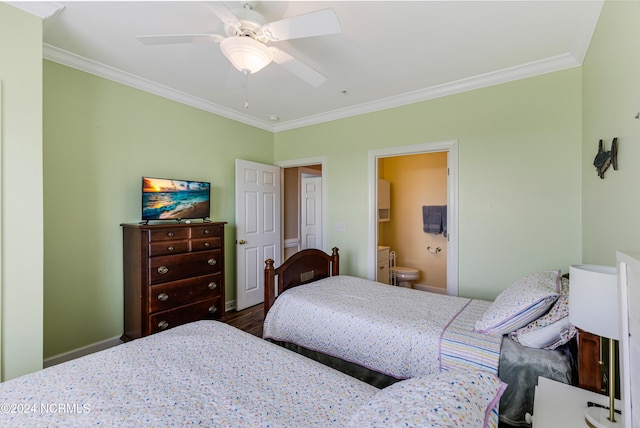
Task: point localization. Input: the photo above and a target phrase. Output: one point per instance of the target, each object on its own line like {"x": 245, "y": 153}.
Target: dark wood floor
{"x": 249, "y": 320}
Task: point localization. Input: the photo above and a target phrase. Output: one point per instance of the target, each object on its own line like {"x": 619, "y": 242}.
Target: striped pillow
{"x": 524, "y": 301}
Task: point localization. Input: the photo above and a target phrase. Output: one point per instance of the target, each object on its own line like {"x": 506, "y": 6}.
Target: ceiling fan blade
{"x": 224, "y": 14}
{"x": 319, "y": 23}
{"x": 300, "y": 69}
{"x": 167, "y": 39}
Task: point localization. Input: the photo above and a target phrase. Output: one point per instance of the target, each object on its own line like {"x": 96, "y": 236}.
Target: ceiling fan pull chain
{"x": 246, "y": 90}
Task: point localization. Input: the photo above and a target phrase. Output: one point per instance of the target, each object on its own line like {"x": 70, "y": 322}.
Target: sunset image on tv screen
{"x": 165, "y": 199}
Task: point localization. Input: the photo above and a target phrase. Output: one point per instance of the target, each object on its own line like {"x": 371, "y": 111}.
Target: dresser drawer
{"x": 181, "y": 266}
{"x": 207, "y": 309}
{"x": 204, "y": 244}
{"x": 161, "y": 248}
{"x": 171, "y": 234}
{"x": 205, "y": 231}
{"x": 171, "y": 294}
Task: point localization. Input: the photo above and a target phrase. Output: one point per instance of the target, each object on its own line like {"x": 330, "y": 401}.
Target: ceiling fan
{"x": 248, "y": 32}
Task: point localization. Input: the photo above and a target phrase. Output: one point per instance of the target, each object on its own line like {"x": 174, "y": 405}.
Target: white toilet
{"x": 405, "y": 275}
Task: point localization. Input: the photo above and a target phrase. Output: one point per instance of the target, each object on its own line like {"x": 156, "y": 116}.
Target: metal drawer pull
{"x": 212, "y": 309}
{"x": 212, "y": 285}
{"x": 206, "y": 245}
{"x": 170, "y": 234}
{"x": 163, "y": 297}
{"x": 212, "y": 261}
{"x": 207, "y": 231}
{"x": 162, "y": 270}
{"x": 163, "y": 325}
{"x": 170, "y": 249}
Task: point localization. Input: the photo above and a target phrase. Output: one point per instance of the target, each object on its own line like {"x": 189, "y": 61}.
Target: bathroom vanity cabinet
{"x": 383, "y": 264}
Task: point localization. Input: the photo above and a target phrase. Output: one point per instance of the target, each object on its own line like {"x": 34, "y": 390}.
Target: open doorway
{"x": 303, "y": 205}
{"x": 415, "y": 247}
{"x": 412, "y": 202}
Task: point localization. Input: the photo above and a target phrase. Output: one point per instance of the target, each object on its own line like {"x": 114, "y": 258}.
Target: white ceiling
{"x": 389, "y": 53}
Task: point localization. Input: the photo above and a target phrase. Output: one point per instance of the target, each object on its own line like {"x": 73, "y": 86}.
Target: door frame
{"x": 293, "y": 163}
{"x": 449, "y": 146}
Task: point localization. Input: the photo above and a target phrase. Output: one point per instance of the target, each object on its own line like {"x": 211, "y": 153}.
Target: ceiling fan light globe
{"x": 246, "y": 54}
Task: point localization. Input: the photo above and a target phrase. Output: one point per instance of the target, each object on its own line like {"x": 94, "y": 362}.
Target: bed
{"x": 208, "y": 373}
{"x": 382, "y": 334}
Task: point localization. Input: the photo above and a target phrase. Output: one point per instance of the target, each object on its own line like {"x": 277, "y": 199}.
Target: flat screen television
{"x": 167, "y": 199}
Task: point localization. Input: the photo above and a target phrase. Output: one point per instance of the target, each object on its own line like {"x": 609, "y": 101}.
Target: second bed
{"x": 381, "y": 334}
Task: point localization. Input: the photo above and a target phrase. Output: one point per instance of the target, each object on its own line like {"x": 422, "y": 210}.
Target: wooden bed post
{"x": 269, "y": 285}
{"x": 335, "y": 262}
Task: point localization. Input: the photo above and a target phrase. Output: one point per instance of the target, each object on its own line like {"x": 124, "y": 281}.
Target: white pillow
{"x": 457, "y": 398}
{"x": 521, "y": 303}
{"x": 550, "y": 330}
{"x": 550, "y": 336}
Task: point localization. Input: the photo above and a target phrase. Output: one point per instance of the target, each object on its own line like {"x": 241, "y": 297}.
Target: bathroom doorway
{"x": 417, "y": 176}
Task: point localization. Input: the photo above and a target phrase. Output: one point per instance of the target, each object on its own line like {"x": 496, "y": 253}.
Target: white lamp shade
{"x": 246, "y": 54}
{"x": 593, "y": 300}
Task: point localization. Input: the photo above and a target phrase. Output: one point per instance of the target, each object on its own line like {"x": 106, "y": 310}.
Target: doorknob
{"x": 242, "y": 242}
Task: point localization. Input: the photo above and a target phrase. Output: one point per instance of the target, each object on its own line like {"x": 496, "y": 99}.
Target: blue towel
{"x": 434, "y": 219}
{"x": 444, "y": 220}
{"x": 431, "y": 219}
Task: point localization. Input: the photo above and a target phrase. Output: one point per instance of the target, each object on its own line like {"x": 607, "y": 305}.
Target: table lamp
{"x": 593, "y": 307}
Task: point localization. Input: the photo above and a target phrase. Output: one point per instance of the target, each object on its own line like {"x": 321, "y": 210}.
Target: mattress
{"x": 205, "y": 373}
{"x": 395, "y": 331}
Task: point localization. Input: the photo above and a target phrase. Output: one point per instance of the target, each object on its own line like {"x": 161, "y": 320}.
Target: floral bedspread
{"x": 391, "y": 330}
{"x": 205, "y": 373}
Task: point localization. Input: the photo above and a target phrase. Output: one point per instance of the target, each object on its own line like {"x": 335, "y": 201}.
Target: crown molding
{"x": 101, "y": 70}
{"x": 41, "y": 9}
{"x": 549, "y": 65}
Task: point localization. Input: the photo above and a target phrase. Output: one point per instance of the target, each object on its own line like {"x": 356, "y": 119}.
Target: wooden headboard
{"x": 303, "y": 267}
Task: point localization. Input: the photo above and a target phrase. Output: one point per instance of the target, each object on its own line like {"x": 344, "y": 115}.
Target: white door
{"x": 311, "y": 212}
{"x": 258, "y": 228}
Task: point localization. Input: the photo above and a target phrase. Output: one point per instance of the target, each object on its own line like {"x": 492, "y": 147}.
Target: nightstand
{"x": 557, "y": 404}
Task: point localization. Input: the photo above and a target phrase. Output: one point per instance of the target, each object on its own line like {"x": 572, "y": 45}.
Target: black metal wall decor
{"x": 605, "y": 158}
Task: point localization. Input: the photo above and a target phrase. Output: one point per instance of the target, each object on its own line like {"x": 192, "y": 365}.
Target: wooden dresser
{"x": 173, "y": 274}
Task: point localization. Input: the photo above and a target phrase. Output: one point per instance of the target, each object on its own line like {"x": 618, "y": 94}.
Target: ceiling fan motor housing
{"x": 251, "y": 23}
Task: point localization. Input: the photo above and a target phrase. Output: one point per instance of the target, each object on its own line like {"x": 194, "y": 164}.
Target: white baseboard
{"x": 430, "y": 288}
{"x": 80, "y": 352}
{"x": 230, "y": 305}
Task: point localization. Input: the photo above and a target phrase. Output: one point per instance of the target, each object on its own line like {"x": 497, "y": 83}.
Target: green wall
{"x": 20, "y": 192}
{"x": 100, "y": 138}
{"x": 519, "y": 149}
{"x": 611, "y": 92}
